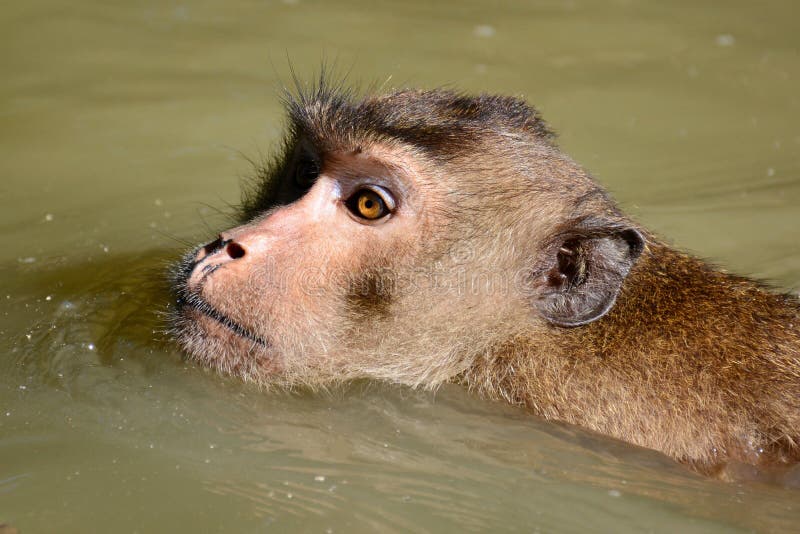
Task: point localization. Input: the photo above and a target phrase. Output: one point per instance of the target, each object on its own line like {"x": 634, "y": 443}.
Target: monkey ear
{"x": 585, "y": 272}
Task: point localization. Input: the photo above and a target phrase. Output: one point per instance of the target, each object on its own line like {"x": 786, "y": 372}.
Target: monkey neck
{"x": 699, "y": 364}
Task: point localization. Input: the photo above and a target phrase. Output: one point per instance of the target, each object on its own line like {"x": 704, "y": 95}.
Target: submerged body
{"x": 425, "y": 236}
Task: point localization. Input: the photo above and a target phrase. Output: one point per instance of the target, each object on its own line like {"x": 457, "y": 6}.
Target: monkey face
{"x": 402, "y": 237}
{"x": 288, "y": 292}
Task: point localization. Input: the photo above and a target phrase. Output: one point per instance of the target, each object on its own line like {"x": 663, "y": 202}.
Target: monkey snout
{"x": 210, "y": 248}
{"x": 212, "y": 256}
{"x": 215, "y": 245}
{"x": 233, "y": 249}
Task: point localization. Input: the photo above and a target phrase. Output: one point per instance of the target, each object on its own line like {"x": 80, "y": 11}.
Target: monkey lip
{"x": 199, "y": 305}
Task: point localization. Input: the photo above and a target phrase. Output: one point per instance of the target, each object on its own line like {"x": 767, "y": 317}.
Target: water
{"x": 124, "y": 132}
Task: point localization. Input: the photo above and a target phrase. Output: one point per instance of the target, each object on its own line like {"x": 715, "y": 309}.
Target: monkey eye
{"x": 371, "y": 203}
{"x": 305, "y": 173}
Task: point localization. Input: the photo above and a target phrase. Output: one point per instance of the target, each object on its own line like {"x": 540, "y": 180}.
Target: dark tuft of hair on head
{"x": 331, "y": 114}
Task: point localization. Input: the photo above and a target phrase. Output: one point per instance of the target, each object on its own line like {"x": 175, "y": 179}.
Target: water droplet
{"x": 725, "y": 39}
{"x": 483, "y": 30}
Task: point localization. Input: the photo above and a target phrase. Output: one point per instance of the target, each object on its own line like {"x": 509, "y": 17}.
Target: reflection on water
{"x": 121, "y": 131}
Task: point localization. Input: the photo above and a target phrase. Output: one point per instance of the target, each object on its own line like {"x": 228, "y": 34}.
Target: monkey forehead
{"x": 378, "y": 160}
{"x": 442, "y": 123}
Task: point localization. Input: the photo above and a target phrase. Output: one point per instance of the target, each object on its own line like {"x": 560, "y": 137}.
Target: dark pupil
{"x": 368, "y": 204}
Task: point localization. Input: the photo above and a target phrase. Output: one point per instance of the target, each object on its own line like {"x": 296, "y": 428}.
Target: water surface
{"x": 125, "y": 130}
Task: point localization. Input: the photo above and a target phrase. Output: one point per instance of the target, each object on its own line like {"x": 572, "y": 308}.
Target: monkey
{"x": 427, "y": 236}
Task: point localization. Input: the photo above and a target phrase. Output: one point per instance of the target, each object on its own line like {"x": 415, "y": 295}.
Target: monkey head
{"x": 401, "y": 237}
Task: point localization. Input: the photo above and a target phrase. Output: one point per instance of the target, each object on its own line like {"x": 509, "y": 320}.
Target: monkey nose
{"x": 234, "y": 250}
{"x": 215, "y": 245}
{"x": 212, "y": 256}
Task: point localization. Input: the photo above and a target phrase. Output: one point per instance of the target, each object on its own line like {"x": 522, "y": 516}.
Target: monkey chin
{"x": 224, "y": 346}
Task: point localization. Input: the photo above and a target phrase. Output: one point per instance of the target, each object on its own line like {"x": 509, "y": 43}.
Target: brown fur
{"x": 504, "y": 266}
{"x": 690, "y": 361}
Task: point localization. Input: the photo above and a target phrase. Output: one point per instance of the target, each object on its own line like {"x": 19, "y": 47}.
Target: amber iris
{"x": 369, "y": 205}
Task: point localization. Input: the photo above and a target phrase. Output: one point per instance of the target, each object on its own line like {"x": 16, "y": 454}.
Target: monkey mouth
{"x": 188, "y": 300}
{"x": 197, "y": 304}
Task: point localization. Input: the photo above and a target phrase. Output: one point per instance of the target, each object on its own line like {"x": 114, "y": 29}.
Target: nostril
{"x": 215, "y": 245}
{"x": 234, "y": 250}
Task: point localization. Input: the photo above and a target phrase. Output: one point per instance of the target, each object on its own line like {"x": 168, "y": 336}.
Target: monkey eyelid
{"x": 380, "y": 186}
{"x": 388, "y": 200}
{"x": 385, "y": 194}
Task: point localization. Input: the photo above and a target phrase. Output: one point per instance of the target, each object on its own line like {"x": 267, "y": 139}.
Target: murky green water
{"x": 123, "y": 127}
